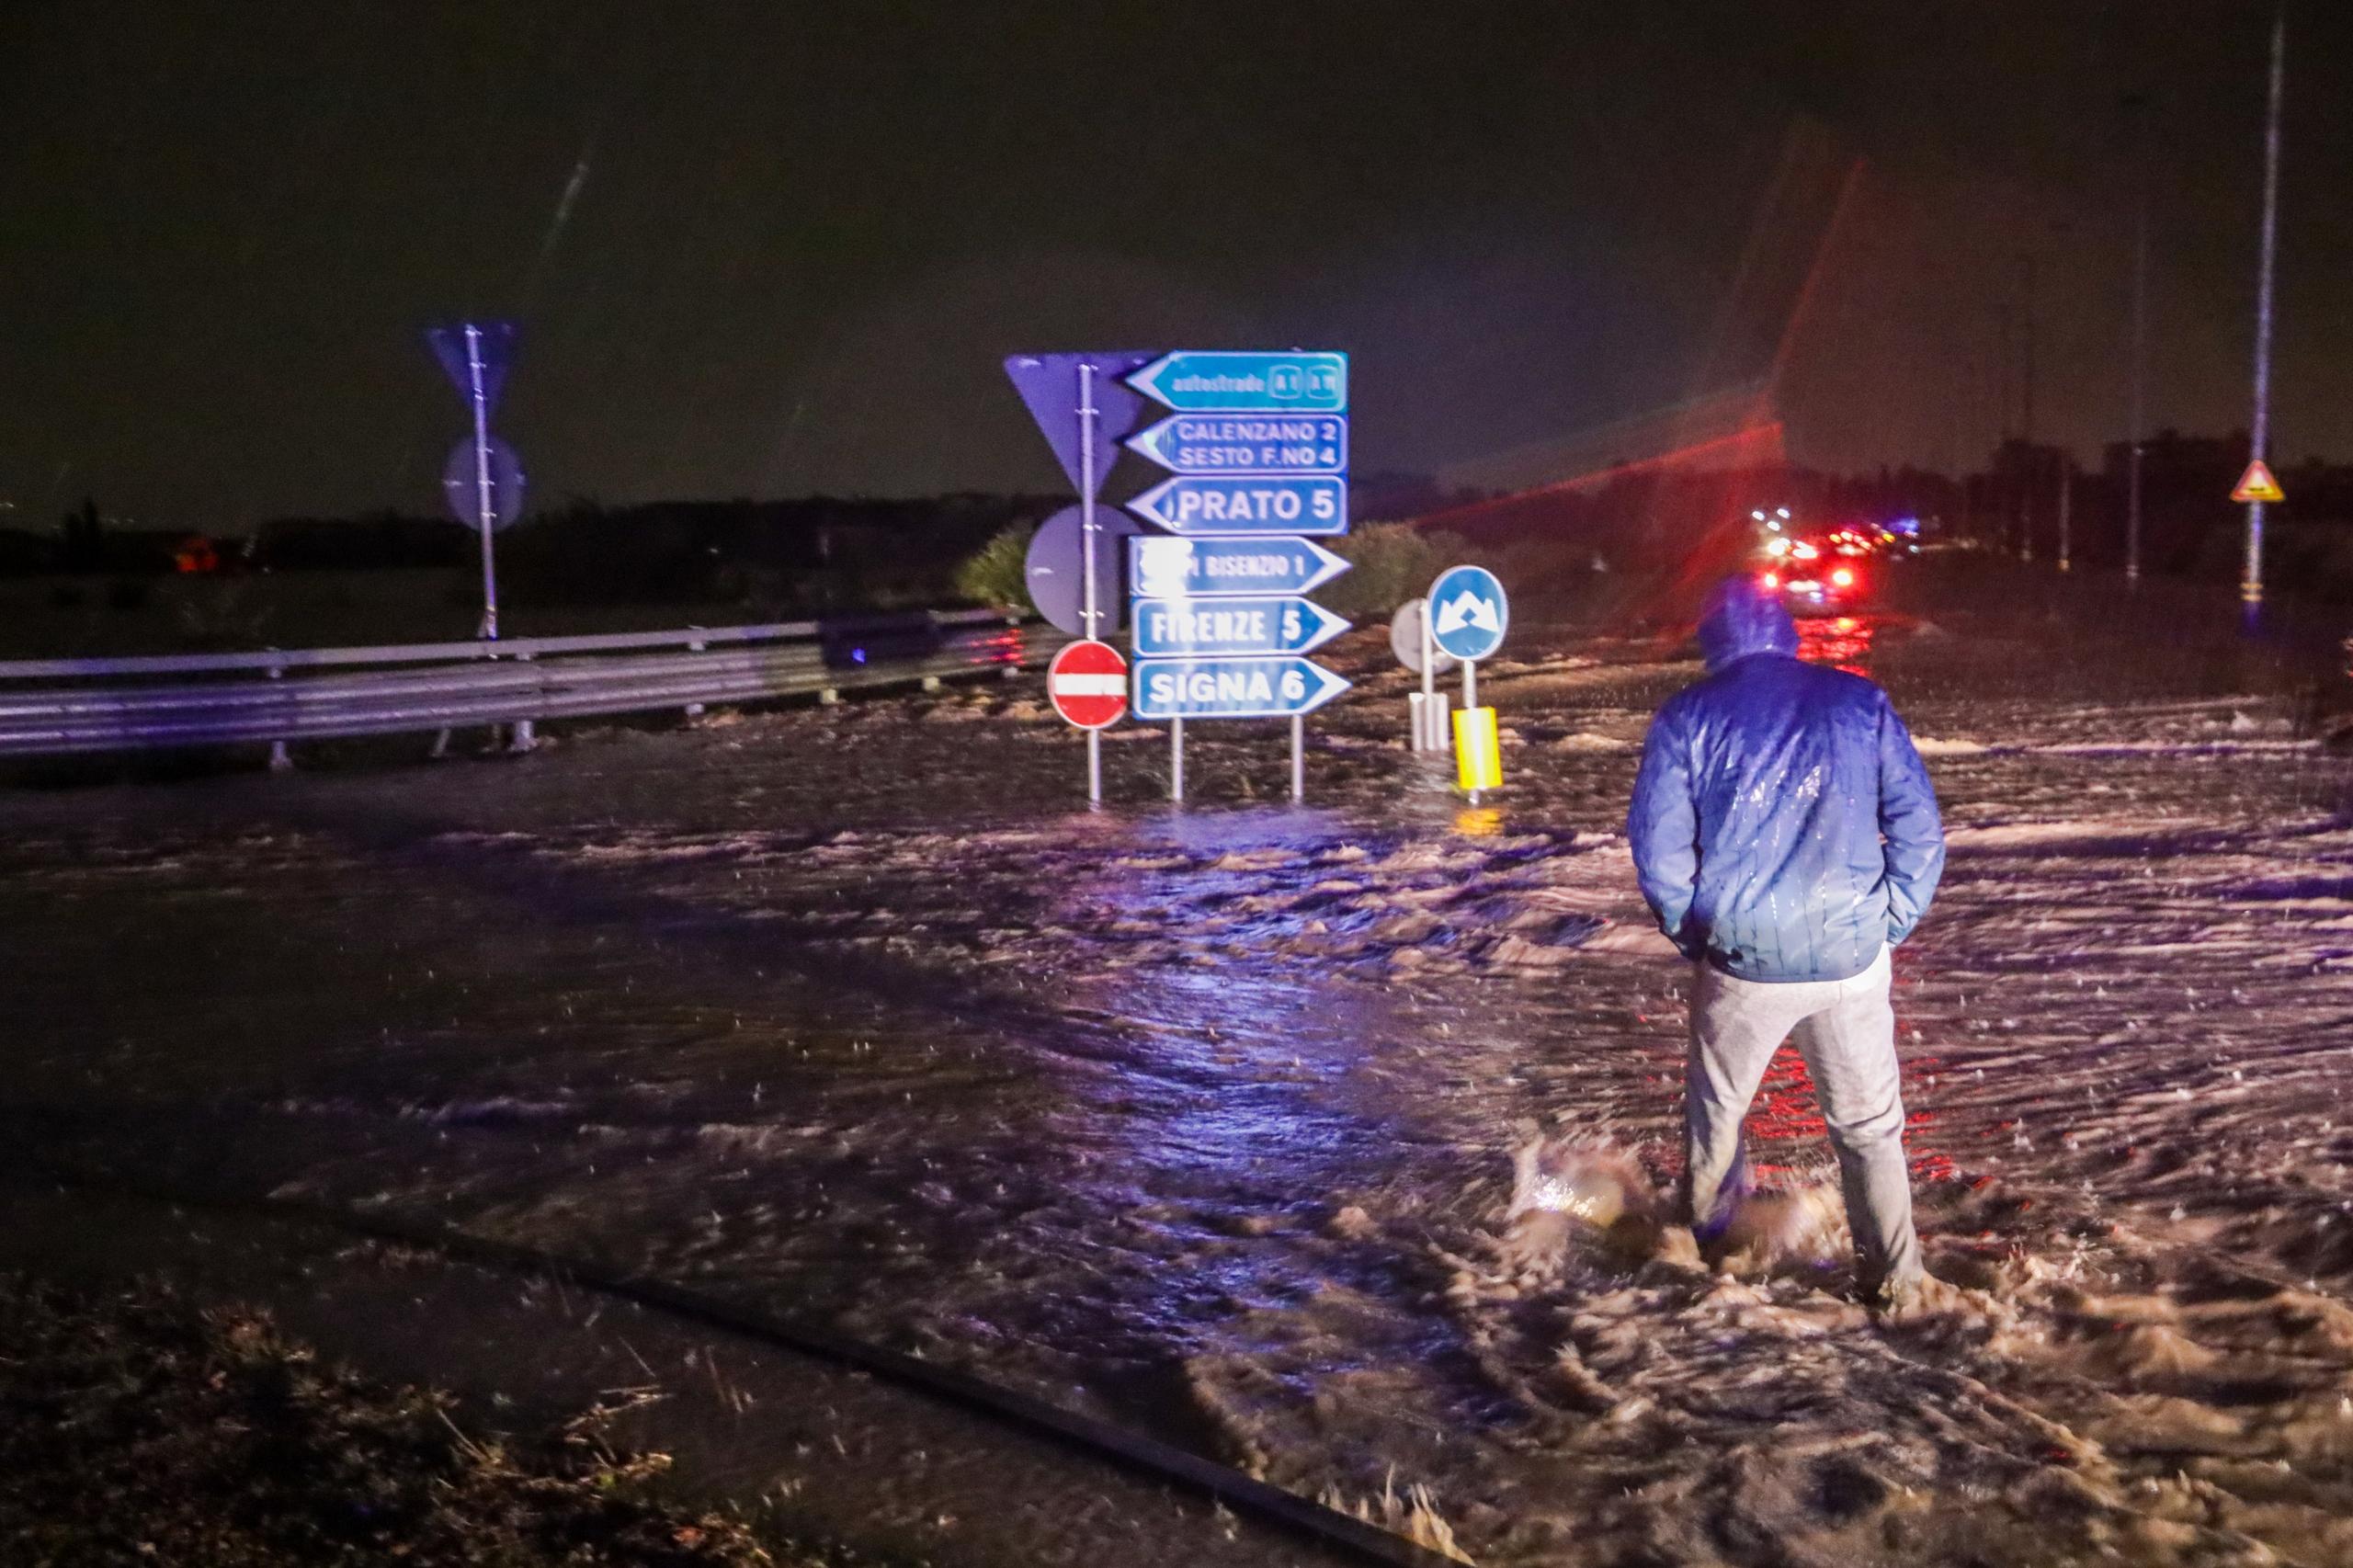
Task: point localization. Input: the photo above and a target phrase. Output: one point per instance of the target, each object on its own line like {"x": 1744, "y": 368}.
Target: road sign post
{"x": 1076, "y": 426}
{"x": 487, "y": 491}
{"x": 1468, "y": 614}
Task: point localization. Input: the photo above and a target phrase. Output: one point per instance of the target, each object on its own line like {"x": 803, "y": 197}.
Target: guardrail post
{"x": 281, "y": 759}
{"x": 524, "y": 738}
{"x": 694, "y": 709}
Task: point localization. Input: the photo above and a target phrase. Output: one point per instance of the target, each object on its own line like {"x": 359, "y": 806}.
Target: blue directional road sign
{"x": 1468, "y": 612}
{"x": 1194, "y": 379}
{"x": 1316, "y": 504}
{"x": 1232, "y": 688}
{"x": 1161, "y": 567}
{"x": 1270, "y": 624}
{"x": 1247, "y": 443}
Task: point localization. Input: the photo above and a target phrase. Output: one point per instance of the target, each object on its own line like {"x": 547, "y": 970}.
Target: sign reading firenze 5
{"x": 1267, "y": 624}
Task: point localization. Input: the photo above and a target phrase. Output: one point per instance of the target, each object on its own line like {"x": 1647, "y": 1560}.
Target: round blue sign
{"x": 1468, "y": 612}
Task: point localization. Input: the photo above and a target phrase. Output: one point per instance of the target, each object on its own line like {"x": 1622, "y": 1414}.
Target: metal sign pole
{"x": 482, "y": 511}
{"x": 1086, "y": 555}
{"x": 1298, "y": 759}
{"x": 1470, "y": 684}
{"x": 1428, "y": 739}
{"x": 1177, "y": 760}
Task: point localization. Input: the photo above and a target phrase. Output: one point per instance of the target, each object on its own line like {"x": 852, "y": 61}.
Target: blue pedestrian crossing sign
{"x": 1468, "y": 612}
{"x": 1274, "y": 623}
{"x": 1232, "y": 688}
{"x": 1195, "y": 379}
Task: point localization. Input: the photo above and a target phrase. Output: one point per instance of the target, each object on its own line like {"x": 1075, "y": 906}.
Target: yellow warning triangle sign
{"x": 2257, "y": 484}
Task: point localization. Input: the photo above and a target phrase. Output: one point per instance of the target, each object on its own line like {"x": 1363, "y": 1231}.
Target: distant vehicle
{"x": 1836, "y": 587}
{"x": 1819, "y": 571}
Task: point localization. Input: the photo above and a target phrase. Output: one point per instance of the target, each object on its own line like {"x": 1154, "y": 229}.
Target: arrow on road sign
{"x": 1468, "y": 612}
{"x": 1278, "y": 623}
{"x": 1272, "y": 504}
{"x": 2257, "y": 484}
{"x": 1247, "y": 443}
{"x": 1232, "y": 688}
{"x": 1195, "y": 379}
{"x": 1164, "y": 568}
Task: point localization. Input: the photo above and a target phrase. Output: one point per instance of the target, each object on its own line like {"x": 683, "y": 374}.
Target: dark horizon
{"x": 784, "y": 256}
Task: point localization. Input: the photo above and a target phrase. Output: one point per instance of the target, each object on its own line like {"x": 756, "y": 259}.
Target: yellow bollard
{"x": 1478, "y": 757}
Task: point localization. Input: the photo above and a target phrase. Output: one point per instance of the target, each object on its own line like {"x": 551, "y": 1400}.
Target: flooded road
{"x": 1210, "y": 1121}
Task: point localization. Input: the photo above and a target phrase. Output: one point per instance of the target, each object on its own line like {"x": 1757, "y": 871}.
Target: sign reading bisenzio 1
{"x": 1164, "y": 568}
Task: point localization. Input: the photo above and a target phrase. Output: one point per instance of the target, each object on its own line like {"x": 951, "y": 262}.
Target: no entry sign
{"x": 1088, "y": 684}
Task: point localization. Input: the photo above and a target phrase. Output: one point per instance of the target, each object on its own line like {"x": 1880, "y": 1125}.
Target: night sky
{"x": 775, "y": 248}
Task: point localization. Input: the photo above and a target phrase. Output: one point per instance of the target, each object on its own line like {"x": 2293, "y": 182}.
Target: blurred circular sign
{"x": 1055, "y": 572}
{"x": 462, "y": 481}
{"x": 1405, "y": 639}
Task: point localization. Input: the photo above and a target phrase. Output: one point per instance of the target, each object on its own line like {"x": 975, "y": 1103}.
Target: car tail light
{"x": 1844, "y": 577}
{"x": 1770, "y": 580}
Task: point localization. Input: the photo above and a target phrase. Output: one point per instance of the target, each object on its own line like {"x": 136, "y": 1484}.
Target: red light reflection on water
{"x": 1787, "y": 1108}
{"x": 1843, "y": 641}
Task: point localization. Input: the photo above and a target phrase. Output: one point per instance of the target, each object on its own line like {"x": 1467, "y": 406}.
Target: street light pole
{"x": 2251, "y": 585}
{"x": 2138, "y": 104}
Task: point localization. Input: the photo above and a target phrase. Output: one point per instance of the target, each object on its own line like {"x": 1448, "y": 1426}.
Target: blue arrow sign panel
{"x": 1232, "y": 688}
{"x": 1164, "y": 568}
{"x": 1247, "y": 443}
{"x": 1266, "y": 624}
{"x": 1195, "y": 379}
{"x": 1272, "y": 504}
{"x": 1468, "y": 612}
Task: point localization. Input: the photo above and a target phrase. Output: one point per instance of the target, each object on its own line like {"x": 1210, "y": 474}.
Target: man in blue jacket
{"x": 1786, "y": 836}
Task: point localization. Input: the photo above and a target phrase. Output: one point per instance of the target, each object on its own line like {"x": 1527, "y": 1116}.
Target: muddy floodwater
{"x": 1221, "y": 1123}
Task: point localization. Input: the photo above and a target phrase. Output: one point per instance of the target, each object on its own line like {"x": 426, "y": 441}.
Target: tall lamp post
{"x": 2251, "y": 583}
{"x": 2137, "y": 105}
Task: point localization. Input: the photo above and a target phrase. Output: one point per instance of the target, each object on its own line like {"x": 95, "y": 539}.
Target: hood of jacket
{"x": 1744, "y": 618}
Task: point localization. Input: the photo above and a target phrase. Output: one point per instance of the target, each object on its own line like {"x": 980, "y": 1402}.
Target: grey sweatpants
{"x": 1846, "y": 1031}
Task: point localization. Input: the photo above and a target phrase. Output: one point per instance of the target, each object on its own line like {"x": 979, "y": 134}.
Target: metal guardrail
{"x": 50, "y": 706}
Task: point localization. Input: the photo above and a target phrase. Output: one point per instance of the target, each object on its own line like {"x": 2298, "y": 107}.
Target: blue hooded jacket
{"x": 1782, "y": 825}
